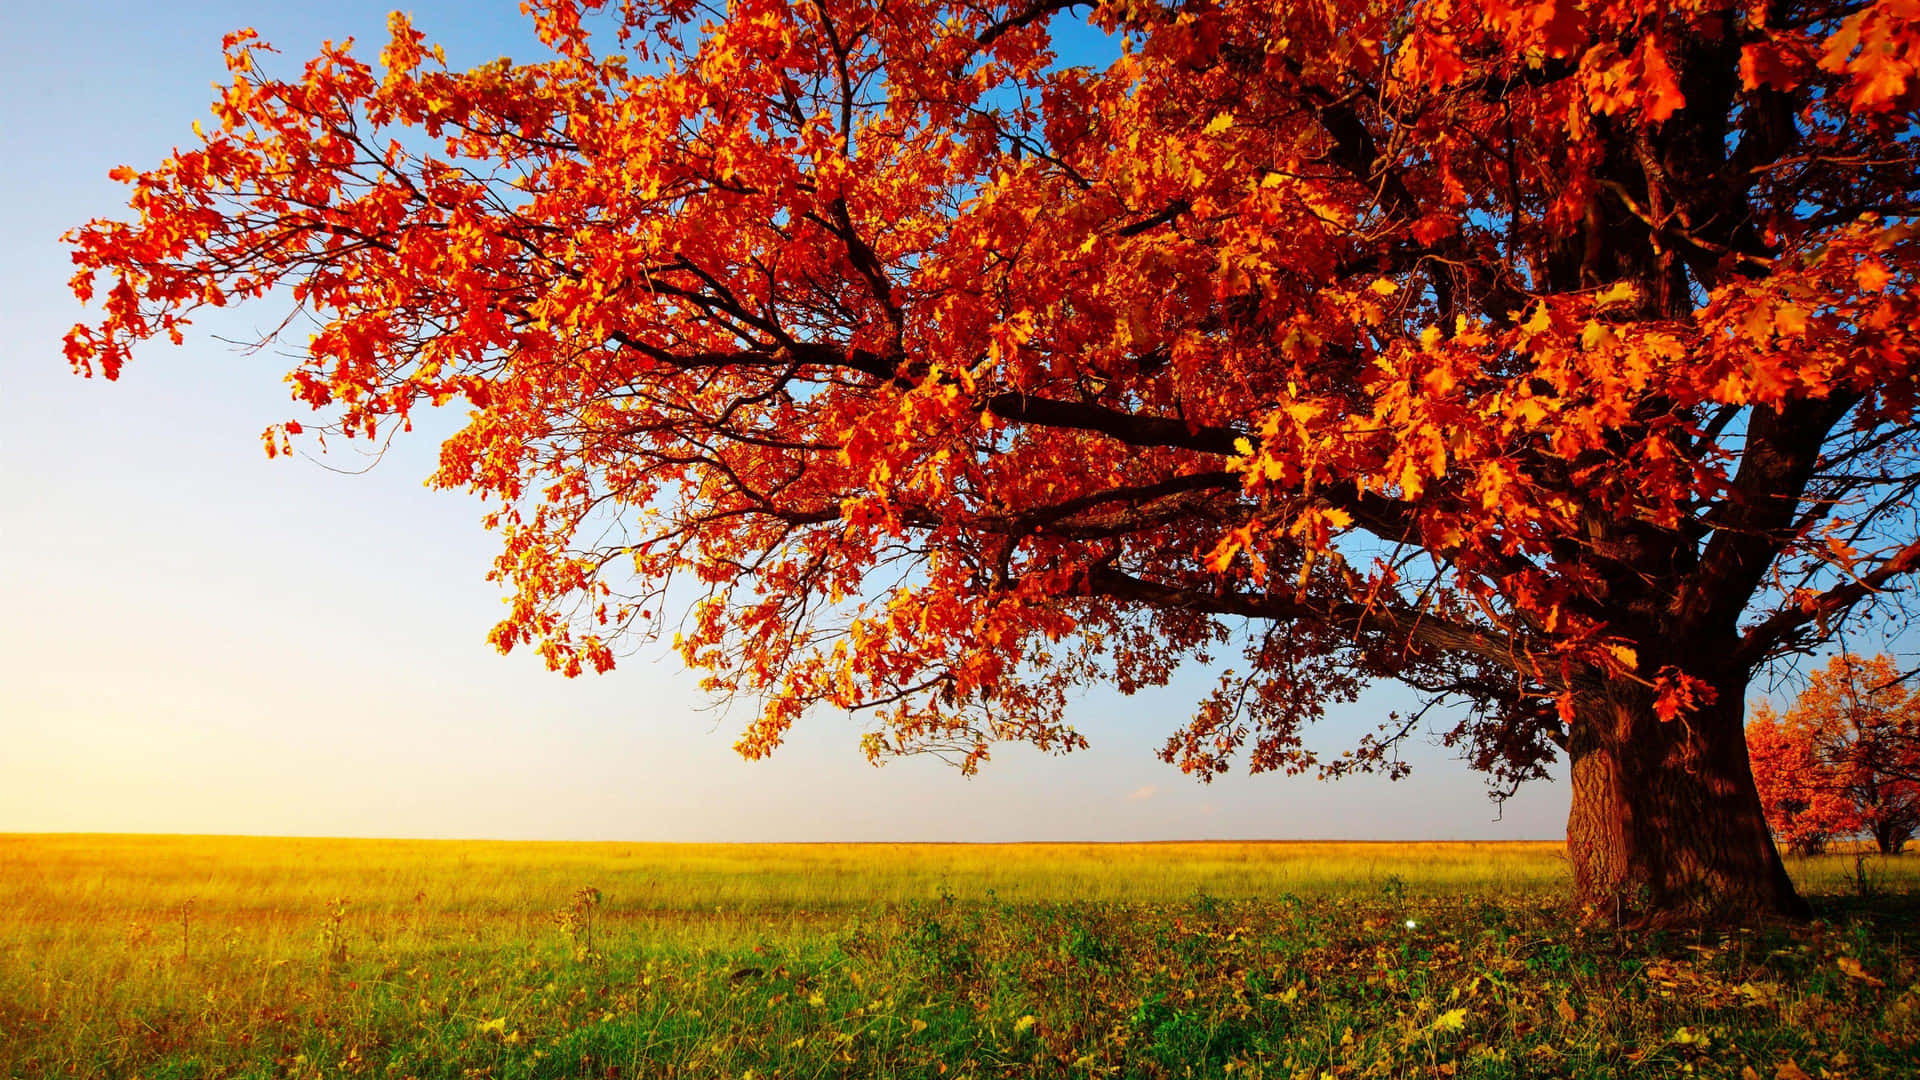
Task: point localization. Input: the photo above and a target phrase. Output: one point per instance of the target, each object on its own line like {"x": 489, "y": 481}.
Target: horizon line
{"x": 6, "y": 834}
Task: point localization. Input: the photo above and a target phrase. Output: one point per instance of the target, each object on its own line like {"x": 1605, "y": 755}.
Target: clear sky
{"x": 196, "y": 639}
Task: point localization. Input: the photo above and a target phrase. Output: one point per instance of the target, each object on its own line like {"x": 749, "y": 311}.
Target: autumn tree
{"x": 1845, "y": 759}
{"x": 1553, "y": 357}
{"x": 1805, "y": 803}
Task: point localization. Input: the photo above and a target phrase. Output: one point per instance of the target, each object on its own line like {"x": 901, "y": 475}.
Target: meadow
{"x": 162, "y": 957}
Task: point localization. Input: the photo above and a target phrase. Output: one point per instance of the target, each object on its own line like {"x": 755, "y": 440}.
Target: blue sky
{"x": 196, "y": 639}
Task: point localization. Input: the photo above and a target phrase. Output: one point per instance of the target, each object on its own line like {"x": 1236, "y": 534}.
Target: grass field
{"x": 200, "y": 957}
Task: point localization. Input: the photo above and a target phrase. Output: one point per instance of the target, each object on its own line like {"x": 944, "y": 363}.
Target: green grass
{"x": 202, "y": 957}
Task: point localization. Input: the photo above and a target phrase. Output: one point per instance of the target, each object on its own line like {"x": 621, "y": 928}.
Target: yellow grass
{"x": 76, "y": 902}
{"x": 87, "y": 881}
{"x": 103, "y": 929}
{"x": 83, "y": 878}
{"x": 123, "y": 953}
{"x": 82, "y": 897}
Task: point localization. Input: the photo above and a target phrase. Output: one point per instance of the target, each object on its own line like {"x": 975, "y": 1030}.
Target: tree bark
{"x": 1890, "y": 838}
{"x": 1666, "y": 822}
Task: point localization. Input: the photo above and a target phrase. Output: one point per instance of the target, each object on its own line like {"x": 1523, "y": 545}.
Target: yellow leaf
{"x": 1851, "y": 969}
{"x": 1222, "y": 555}
{"x": 1451, "y": 1020}
{"x": 1384, "y": 287}
{"x": 1621, "y": 292}
{"x": 1539, "y": 321}
{"x": 1412, "y": 482}
{"x": 1628, "y": 658}
{"x": 1528, "y": 411}
{"x": 1219, "y": 124}
{"x": 1790, "y": 319}
{"x": 1025, "y": 1024}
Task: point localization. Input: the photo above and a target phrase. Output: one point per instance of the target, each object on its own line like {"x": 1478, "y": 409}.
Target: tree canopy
{"x": 1554, "y": 357}
{"x": 1844, "y": 760}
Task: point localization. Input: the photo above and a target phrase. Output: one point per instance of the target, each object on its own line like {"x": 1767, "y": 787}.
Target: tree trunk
{"x": 1666, "y": 821}
{"x": 1889, "y": 837}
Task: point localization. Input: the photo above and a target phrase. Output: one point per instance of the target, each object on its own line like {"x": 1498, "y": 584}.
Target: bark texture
{"x": 1665, "y": 818}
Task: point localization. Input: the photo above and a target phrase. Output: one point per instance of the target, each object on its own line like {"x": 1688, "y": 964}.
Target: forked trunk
{"x": 1666, "y": 821}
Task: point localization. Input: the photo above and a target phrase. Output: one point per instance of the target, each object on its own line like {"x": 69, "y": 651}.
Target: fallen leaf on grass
{"x": 1787, "y": 1070}
{"x": 1852, "y": 969}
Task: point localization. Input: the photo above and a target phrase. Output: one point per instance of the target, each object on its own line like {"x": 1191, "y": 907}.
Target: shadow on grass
{"x": 1887, "y": 914}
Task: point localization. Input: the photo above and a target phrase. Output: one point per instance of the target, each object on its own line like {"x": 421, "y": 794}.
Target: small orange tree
{"x": 1554, "y": 356}
{"x": 1803, "y": 797}
{"x": 1845, "y": 759}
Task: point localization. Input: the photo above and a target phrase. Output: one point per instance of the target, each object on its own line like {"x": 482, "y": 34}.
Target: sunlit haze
{"x": 196, "y": 639}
